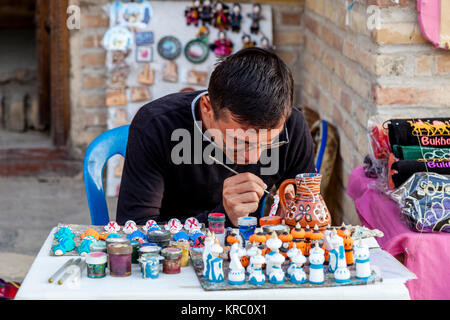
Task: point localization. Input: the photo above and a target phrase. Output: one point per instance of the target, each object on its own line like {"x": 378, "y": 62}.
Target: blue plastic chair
{"x": 103, "y": 147}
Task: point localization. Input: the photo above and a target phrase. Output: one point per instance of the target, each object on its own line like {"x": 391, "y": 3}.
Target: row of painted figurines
{"x": 273, "y": 260}
{"x": 220, "y": 17}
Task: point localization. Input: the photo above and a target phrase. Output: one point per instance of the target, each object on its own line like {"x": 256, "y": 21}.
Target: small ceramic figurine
{"x": 308, "y": 242}
{"x": 291, "y": 254}
{"x": 236, "y": 18}
{"x": 316, "y": 269}
{"x": 206, "y": 12}
{"x": 298, "y": 275}
{"x": 276, "y": 274}
{"x": 286, "y": 239}
{"x": 216, "y": 263}
{"x": 362, "y": 261}
{"x": 222, "y": 47}
{"x": 236, "y": 273}
{"x": 129, "y": 227}
{"x": 191, "y": 223}
{"x": 206, "y": 255}
{"x": 298, "y": 240}
{"x": 192, "y": 14}
{"x": 251, "y": 253}
{"x": 259, "y": 239}
{"x": 220, "y": 15}
{"x": 112, "y": 226}
{"x": 316, "y": 236}
{"x": 348, "y": 246}
{"x": 273, "y": 244}
{"x": 137, "y": 235}
{"x": 247, "y": 41}
{"x": 174, "y": 226}
{"x": 257, "y": 276}
{"x": 85, "y": 246}
{"x": 256, "y": 17}
{"x": 337, "y": 264}
{"x": 151, "y": 225}
{"x": 66, "y": 242}
{"x": 265, "y": 44}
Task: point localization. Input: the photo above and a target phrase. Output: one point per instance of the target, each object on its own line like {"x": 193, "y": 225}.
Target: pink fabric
{"x": 426, "y": 254}
{"x": 430, "y": 20}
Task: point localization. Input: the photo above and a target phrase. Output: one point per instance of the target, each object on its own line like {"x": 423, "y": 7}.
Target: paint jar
{"x": 270, "y": 220}
{"x": 96, "y": 265}
{"x": 119, "y": 255}
{"x": 183, "y": 245}
{"x": 135, "y": 254}
{"x": 160, "y": 237}
{"x": 247, "y": 226}
{"x": 150, "y": 266}
{"x": 216, "y": 222}
{"x": 172, "y": 260}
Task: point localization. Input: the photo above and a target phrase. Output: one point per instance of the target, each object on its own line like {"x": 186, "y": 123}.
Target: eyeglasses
{"x": 242, "y": 146}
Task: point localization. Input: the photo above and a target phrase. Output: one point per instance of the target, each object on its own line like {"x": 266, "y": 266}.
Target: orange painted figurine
{"x": 348, "y": 246}
{"x": 286, "y": 239}
{"x": 298, "y": 235}
{"x": 308, "y": 233}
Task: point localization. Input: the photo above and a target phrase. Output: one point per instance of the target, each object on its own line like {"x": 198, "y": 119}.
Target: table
{"x": 426, "y": 254}
{"x": 185, "y": 286}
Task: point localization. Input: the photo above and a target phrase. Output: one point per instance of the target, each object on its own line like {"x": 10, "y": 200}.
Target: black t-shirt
{"x": 154, "y": 187}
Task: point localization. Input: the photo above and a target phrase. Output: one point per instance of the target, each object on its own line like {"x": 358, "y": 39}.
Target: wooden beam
{"x": 59, "y": 72}
{"x": 43, "y": 61}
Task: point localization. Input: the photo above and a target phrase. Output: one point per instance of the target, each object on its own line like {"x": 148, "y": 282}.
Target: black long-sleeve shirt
{"x": 154, "y": 187}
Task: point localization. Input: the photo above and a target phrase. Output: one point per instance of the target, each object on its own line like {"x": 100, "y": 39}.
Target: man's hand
{"x": 241, "y": 194}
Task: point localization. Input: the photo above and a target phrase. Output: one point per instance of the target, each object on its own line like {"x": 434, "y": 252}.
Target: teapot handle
{"x": 281, "y": 193}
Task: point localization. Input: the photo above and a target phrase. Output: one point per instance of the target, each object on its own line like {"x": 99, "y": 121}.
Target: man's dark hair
{"x": 255, "y": 85}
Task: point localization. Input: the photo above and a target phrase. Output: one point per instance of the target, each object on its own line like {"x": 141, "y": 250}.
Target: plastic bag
{"x": 424, "y": 200}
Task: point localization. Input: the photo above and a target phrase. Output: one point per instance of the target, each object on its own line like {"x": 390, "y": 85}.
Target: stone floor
{"x": 29, "y": 209}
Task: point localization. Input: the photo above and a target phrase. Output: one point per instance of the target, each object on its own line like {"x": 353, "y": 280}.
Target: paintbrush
{"x": 60, "y": 270}
{"x": 77, "y": 263}
{"x": 234, "y": 171}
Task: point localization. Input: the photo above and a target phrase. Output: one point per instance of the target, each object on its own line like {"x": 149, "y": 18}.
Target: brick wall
{"x": 88, "y": 76}
{"x": 351, "y": 73}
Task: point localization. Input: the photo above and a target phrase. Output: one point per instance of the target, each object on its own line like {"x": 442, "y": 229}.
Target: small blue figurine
{"x": 137, "y": 235}
{"x": 65, "y": 238}
{"x": 257, "y": 276}
{"x": 85, "y": 246}
{"x": 216, "y": 263}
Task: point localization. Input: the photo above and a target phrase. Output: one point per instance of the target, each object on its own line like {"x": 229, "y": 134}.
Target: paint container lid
{"x": 216, "y": 217}
{"x": 278, "y": 228}
{"x": 171, "y": 253}
{"x": 119, "y": 246}
{"x": 96, "y": 258}
{"x": 247, "y": 221}
{"x": 270, "y": 220}
{"x": 158, "y": 235}
{"x": 148, "y": 244}
{"x": 149, "y": 249}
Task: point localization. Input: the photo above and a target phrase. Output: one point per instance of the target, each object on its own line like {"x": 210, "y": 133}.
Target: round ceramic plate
{"x": 169, "y": 47}
{"x": 196, "y": 51}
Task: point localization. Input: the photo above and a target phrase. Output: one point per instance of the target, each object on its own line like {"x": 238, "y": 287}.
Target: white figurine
{"x": 338, "y": 262}
{"x": 257, "y": 276}
{"x": 316, "y": 260}
{"x": 298, "y": 275}
{"x": 216, "y": 263}
{"x": 273, "y": 244}
{"x": 362, "y": 260}
{"x": 129, "y": 227}
{"x": 236, "y": 274}
{"x": 251, "y": 253}
{"x": 291, "y": 254}
{"x": 276, "y": 274}
{"x": 206, "y": 255}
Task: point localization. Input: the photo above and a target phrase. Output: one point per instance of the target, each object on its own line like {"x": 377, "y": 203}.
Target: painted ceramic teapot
{"x": 308, "y": 207}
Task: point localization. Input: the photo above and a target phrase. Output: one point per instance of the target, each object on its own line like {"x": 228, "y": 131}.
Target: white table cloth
{"x": 186, "y": 286}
